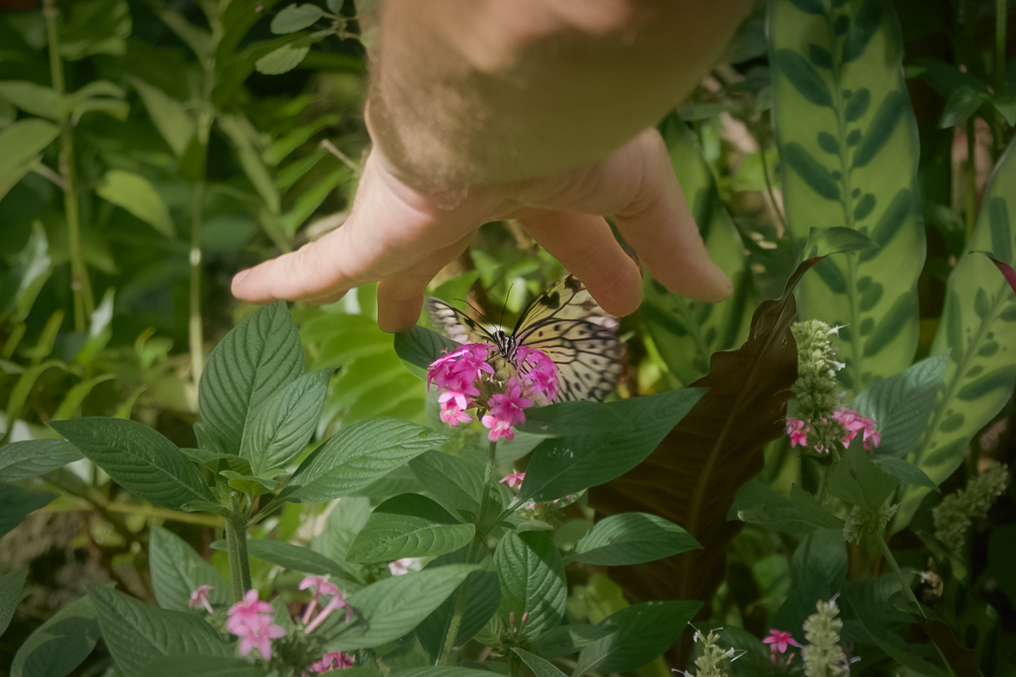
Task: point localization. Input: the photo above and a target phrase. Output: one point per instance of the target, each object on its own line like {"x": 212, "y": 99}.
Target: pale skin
{"x": 535, "y": 110}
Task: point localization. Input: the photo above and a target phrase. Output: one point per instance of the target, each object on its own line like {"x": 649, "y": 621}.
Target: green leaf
{"x": 858, "y": 481}
{"x": 539, "y": 666}
{"x": 901, "y": 405}
{"x": 32, "y": 98}
{"x": 532, "y": 580}
{"x": 980, "y": 375}
{"x": 441, "y": 671}
{"x": 284, "y": 425}
{"x": 31, "y": 458}
{"x": 177, "y": 571}
{"x": 95, "y": 27}
{"x": 867, "y": 185}
{"x": 169, "y": 116}
{"x": 138, "y": 196}
{"x": 204, "y": 666}
{"x": 906, "y": 473}
{"x": 801, "y": 514}
{"x": 10, "y": 594}
{"x": 59, "y": 645}
{"x": 632, "y": 538}
{"x": 420, "y": 346}
{"x": 453, "y": 482}
{"x": 295, "y": 18}
{"x": 35, "y": 267}
{"x": 802, "y": 76}
{"x": 358, "y": 455}
{"x": 138, "y": 634}
{"x": 16, "y": 504}
{"x": 20, "y": 148}
{"x": 256, "y": 359}
{"x": 565, "y": 640}
{"x": 283, "y": 59}
{"x": 644, "y": 631}
{"x": 138, "y": 458}
{"x": 482, "y": 596}
{"x": 246, "y": 142}
{"x": 409, "y": 525}
{"x": 295, "y": 558}
{"x": 567, "y": 465}
{"x": 394, "y": 606}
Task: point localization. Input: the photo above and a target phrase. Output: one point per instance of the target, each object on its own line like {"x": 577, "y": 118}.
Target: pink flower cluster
{"x": 851, "y": 420}
{"x": 459, "y": 373}
{"x": 322, "y": 587}
{"x": 333, "y": 660}
{"x": 251, "y": 621}
{"x": 779, "y": 641}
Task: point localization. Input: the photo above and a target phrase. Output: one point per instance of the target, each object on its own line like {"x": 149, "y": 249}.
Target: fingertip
{"x": 394, "y": 315}
{"x": 240, "y": 286}
{"x": 619, "y": 294}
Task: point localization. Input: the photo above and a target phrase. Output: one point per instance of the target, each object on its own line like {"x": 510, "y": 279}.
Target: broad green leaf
{"x": 20, "y": 147}
{"x": 532, "y": 580}
{"x": 177, "y": 571}
{"x": 138, "y": 634}
{"x": 32, "y": 98}
{"x": 799, "y": 514}
{"x": 138, "y": 196}
{"x": 644, "y": 631}
{"x": 900, "y": 405}
{"x": 16, "y": 504}
{"x": 688, "y": 332}
{"x": 256, "y": 359}
{"x": 571, "y": 419}
{"x": 420, "y": 346}
{"x": 169, "y": 116}
{"x": 31, "y": 458}
{"x": 456, "y": 483}
{"x": 60, "y": 644}
{"x": 567, "y": 465}
{"x": 356, "y": 456}
{"x": 10, "y": 594}
{"x": 481, "y": 592}
{"x": 859, "y": 482}
{"x": 540, "y": 666}
{"x": 138, "y": 458}
{"x": 282, "y": 60}
{"x": 295, "y": 18}
{"x": 565, "y": 640}
{"x": 204, "y": 666}
{"x": 849, "y": 153}
{"x": 978, "y": 331}
{"x": 394, "y": 606}
{"x": 249, "y": 484}
{"x": 95, "y": 27}
{"x": 907, "y": 473}
{"x": 284, "y": 425}
{"x": 76, "y": 395}
{"x": 632, "y": 538}
{"x": 295, "y": 558}
{"x": 409, "y": 525}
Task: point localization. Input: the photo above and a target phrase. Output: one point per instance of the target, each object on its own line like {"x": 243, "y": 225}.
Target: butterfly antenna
{"x": 504, "y": 306}
{"x": 481, "y": 315}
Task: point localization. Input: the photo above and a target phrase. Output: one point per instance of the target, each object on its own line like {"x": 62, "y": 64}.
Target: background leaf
{"x": 10, "y": 594}
{"x": 632, "y": 538}
{"x": 31, "y": 458}
{"x": 177, "y": 571}
{"x": 59, "y": 645}
{"x": 409, "y": 525}
{"x": 532, "y": 580}
{"x": 16, "y": 504}
{"x": 138, "y": 196}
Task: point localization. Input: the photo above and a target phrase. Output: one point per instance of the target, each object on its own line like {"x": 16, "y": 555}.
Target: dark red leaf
{"x": 1007, "y": 270}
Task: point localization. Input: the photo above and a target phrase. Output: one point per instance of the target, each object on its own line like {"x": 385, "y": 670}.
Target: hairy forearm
{"x": 474, "y": 91}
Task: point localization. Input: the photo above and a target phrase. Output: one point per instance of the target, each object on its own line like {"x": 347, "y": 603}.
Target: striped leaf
{"x": 978, "y": 328}
{"x": 848, "y": 143}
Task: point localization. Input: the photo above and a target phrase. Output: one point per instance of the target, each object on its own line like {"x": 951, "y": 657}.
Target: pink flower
{"x": 336, "y": 602}
{"x": 199, "y": 598}
{"x": 855, "y": 423}
{"x": 259, "y": 634}
{"x": 539, "y": 373}
{"x": 333, "y": 660}
{"x": 514, "y": 480}
{"x": 798, "y": 433}
{"x": 321, "y": 586}
{"x": 779, "y": 640}
{"x": 247, "y": 613}
{"x": 403, "y": 566}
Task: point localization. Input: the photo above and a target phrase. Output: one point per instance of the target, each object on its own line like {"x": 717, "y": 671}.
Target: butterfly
{"x": 566, "y": 323}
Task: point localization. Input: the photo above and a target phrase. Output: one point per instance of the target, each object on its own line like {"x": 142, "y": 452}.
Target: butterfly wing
{"x": 453, "y": 323}
{"x": 567, "y": 324}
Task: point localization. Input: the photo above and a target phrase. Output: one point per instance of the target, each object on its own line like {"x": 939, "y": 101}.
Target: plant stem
{"x": 236, "y": 548}
{"x": 195, "y": 328}
{"x": 971, "y": 172}
{"x": 899, "y": 574}
{"x": 1001, "y": 17}
{"x": 84, "y": 302}
{"x": 448, "y": 644}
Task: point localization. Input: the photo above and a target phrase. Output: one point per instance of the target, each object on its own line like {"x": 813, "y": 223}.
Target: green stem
{"x": 971, "y": 176}
{"x": 195, "y": 328}
{"x": 81, "y": 287}
{"x": 1001, "y": 18}
{"x": 448, "y": 644}
{"x": 769, "y": 187}
{"x": 239, "y": 560}
{"x": 899, "y": 574}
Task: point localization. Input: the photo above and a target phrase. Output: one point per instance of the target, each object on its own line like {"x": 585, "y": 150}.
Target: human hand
{"x": 401, "y": 237}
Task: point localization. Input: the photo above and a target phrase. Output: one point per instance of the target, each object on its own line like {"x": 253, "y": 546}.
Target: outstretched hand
{"x": 401, "y": 237}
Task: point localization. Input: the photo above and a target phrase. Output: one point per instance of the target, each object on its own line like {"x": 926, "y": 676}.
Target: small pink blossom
{"x": 321, "y": 586}
{"x": 333, "y": 660}
{"x": 855, "y": 423}
{"x": 539, "y": 373}
{"x": 401, "y": 567}
{"x": 779, "y": 641}
{"x": 337, "y": 601}
{"x": 247, "y": 612}
{"x": 199, "y": 598}
{"x": 258, "y": 634}
{"x": 798, "y": 433}
{"x": 514, "y": 480}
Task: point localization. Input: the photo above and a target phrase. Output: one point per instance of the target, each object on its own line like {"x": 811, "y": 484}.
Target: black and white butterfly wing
{"x": 453, "y": 323}
{"x": 567, "y": 324}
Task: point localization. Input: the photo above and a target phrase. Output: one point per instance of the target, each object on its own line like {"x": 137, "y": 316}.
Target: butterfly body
{"x": 565, "y": 323}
